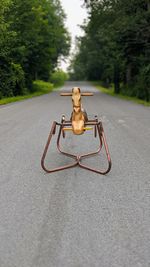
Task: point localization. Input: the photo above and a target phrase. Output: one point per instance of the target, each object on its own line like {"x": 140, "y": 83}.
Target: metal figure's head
{"x": 76, "y": 99}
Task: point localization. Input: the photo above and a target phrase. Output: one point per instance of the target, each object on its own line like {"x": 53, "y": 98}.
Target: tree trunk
{"x": 147, "y": 94}
{"x": 148, "y": 5}
{"x": 35, "y": 75}
{"x": 129, "y": 74}
{"x": 116, "y": 79}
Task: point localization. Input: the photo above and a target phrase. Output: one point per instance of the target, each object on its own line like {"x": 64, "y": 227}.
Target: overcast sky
{"x": 75, "y": 15}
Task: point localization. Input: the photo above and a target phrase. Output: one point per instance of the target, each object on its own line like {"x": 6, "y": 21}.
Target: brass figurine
{"x": 79, "y": 115}
{"x": 78, "y": 124}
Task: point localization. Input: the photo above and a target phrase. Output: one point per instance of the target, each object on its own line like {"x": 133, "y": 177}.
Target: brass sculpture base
{"x": 98, "y": 130}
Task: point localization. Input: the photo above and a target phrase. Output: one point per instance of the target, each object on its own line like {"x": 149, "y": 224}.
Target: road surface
{"x": 74, "y": 218}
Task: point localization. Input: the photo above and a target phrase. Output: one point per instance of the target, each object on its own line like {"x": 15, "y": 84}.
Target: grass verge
{"x": 110, "y": 91}
{"x": 39, "y": 88}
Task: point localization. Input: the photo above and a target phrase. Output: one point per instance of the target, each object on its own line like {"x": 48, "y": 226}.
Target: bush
{"x": 18, "y": 80}
{"x": 12, "y": 80}
{"x": 143, "y": 84}
{"x": 58, "y": 77}
{"x": 41, "y": 86}
{"x": 6, "y": 87}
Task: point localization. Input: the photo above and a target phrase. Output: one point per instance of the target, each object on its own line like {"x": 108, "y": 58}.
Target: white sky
{"x": 75, "y": 16}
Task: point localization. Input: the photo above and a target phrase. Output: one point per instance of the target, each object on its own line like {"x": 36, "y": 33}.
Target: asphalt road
{"x": 74, "y": 218}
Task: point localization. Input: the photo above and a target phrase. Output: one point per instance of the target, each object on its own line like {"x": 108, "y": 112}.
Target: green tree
{"x": 33, "y": 37}
{"x": 116, "y": 45}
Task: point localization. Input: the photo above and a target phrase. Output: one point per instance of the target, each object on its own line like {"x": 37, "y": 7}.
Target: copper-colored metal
{"x": 78, "y": 124}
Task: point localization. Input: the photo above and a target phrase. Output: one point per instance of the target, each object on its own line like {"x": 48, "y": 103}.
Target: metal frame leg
{"x": 102, "y": 141}
{"x": 52, "y": 132}
{"x": 98, "y": 128}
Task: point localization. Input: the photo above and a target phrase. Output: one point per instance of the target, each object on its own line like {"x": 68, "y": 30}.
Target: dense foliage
{"x": 32, "y": 38}
{"x": 116, "y": 46}
{"x": 59, "y": 77}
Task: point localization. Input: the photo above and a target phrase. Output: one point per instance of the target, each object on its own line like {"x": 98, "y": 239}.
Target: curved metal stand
{"x": 98, "y": 128}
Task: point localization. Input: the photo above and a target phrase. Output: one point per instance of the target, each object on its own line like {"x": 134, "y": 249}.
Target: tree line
{"x": 32, "y": 39}
{"x": 115, "y": 47}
